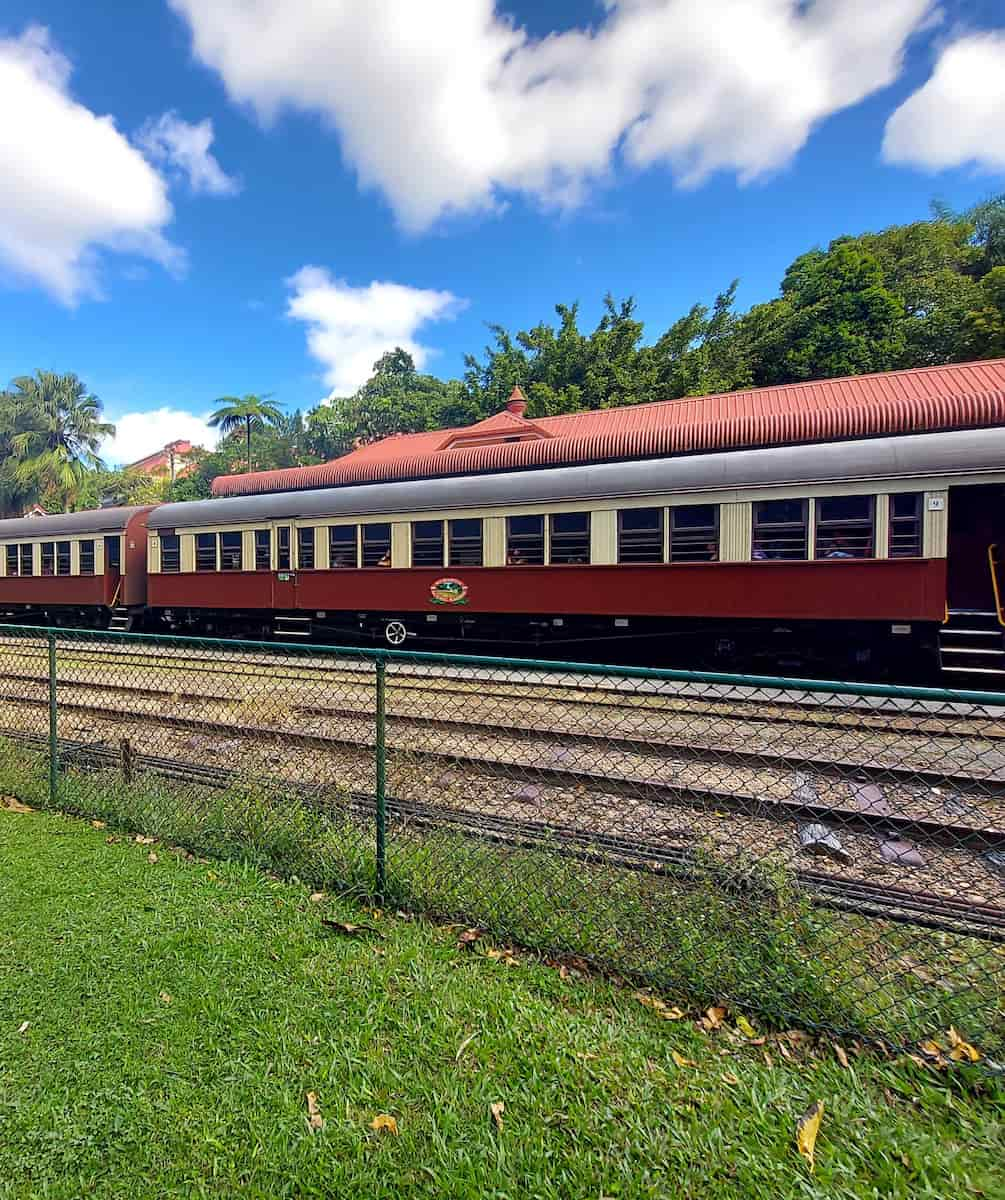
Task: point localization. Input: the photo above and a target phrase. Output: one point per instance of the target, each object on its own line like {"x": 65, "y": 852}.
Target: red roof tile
{"x": 964, "y": 395}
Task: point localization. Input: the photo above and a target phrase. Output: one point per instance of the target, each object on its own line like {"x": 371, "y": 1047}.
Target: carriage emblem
{"x": 448, "y": 591}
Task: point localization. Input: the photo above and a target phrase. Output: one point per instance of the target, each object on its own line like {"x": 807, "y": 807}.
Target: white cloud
{"x": 958, "y": 116}
{"x": 138, "y": 434}
{"x": 185, "y": 147}
{"x": 349, "y": 328}
{"x": 445, "y": 105}
{"x": 72, "y": 184}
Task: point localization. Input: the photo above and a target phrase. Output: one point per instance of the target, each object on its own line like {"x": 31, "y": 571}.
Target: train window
{"x": 305, "y": 549}
{"x": 465, "y": 542}
{"x": 779, "y": 529}
{"x": 231, "y": 552}
{"x": 905, "y": 525}
{"x": 694, "y": 533}
{"x": 845, "y": 527}
{"x": 205, "y": 551}
{"x": 27, "y": 559}
{"x": 376, "y": 545}
{"x": 525, "y": 541}
{"x": 427, "y": 544}
{"x": 87, "y": 557}
{"x": 263, "y": 550}
{"x": 113, "y": 553}
{"x": 343, "y": 545}
{"x": 62, "y": 558}
{"x": 48, "y": 558}
{"x": 570, "y": 537}
{"x": 640, "y": 535}
{"x": 12, "y": 560}
{"x": 170, "y": 554}
{"x": 283, "y": 548}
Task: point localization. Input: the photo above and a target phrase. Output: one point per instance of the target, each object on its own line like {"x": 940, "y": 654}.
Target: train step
{"x": 292, "y": 627}
{"x": 122, "y": 620}
{"x": 972, "y": 642}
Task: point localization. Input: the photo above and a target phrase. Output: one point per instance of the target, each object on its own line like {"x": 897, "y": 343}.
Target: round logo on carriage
{"x": 448, "y": 591}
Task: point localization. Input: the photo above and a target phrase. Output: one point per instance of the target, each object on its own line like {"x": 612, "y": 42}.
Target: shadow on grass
{"x": 746, "y": 936}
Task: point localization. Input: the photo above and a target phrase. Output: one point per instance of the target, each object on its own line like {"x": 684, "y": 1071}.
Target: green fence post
{"x": 380, "y": 754}
{"x": 53, "y": 727}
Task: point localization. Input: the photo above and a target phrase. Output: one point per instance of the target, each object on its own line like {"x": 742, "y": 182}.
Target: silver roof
{"x": 961, "y": 452}
{"x": 93, "y": 520}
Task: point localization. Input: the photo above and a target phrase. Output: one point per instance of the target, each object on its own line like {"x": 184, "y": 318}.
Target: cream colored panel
{"x": 494, "y": 542}
{"x": 154, "y": 555}
{"x": 882, "y": 529}
{"x": 322, "y": 548}
{"x": 187, "y": 553}
{"x": 3, "y": 559}
{"x": 811, "y": 529}
{"x": 36, "y": 559}
{"x": 248, "y": 549}
{"x": 604, "y": 537}
{"x": 936, "y": 518}
{"x": 401, "y": 544}
{"x": 75, "y": 558}
{"x": 99, "y": 556}
{"x": 734, "y": 532}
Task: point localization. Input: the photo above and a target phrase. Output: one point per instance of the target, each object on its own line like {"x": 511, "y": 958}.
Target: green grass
{"x": 111, "y": 1091}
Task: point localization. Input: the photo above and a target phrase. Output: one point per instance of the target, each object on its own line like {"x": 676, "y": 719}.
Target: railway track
{"x": 929, "y": 719}
{"x": 919, "y": 908}
{"x": 660, "y": 793}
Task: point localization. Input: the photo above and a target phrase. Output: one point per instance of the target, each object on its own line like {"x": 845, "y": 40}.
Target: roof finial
{"x": 517, "y": 403}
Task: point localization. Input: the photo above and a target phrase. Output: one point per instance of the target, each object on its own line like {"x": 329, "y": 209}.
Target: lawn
{"x": 162, "y": 1021}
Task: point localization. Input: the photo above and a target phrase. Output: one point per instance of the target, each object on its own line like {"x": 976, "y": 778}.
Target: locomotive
{"x": 876, "y": 556}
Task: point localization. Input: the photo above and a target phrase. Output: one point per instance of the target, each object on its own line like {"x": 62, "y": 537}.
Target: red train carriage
{"x": 86, "y": 568}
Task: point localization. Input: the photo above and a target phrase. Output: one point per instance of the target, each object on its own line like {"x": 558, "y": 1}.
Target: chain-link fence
{"x": 821, "y": 853}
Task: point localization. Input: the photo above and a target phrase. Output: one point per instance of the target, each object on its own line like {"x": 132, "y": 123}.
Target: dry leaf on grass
{"x": 506, "y": 957}
{"x": 142, "y": 840}
{"x": 962, "y": 1051}
{"x": 468, "y": 936}
{"x": 464, "y": 1045}
{"x": 317, "y": 897}
{"x": 110, "y": 841}
{"x": 23, "y": 1027}
{"x": 152, "y": 858}
{"x": 315, "y": 1121}
{"x": 715, "y": 1016}
{"x": 842, "y": 1057}
{"x": 99, "y": 824}
{"x": 382, "y": 1123}
{"x": 807, "y": 1128}
{"x": 12, "y": 804}
{"x": 165, "y": 997}
{"x": 681, "y": 1061}
{"x": 730, "y": 1079}
{"x": 745, "y": 1027}
{"x": 347, "y": 929}
{"x": 666, "y": 1011}
{"x": 497, "y": 1108}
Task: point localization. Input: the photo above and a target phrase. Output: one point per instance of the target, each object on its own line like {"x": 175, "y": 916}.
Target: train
{"x": 870, "y": 557}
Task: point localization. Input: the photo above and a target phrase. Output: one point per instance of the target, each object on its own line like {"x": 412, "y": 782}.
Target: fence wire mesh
{"x": 824, "y": 854}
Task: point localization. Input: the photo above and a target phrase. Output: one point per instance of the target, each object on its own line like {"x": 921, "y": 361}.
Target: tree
{"x": 53, "y": 431}
{"x": 249, "y": 413}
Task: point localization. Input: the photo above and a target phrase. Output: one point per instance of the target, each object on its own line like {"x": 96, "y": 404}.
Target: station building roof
{"x": 960, "y": 396}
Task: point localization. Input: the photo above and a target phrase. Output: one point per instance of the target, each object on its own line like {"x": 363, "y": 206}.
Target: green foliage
{"x": 250, "y": 414}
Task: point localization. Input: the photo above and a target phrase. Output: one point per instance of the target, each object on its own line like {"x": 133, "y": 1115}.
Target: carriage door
{"x": 284, "y": 579}
{"x": 976, "y": 522}
{"x": 113, "y": 570}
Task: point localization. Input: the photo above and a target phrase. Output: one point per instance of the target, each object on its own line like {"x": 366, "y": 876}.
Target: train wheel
{"x": 395, "y": 633}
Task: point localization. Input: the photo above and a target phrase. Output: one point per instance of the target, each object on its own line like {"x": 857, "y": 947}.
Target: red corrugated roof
{"x": 964, "y": 395}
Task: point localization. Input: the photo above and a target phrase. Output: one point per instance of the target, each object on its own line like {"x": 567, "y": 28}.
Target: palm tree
{"x": 251, "y": 412}
{"x": 53, "y": 431}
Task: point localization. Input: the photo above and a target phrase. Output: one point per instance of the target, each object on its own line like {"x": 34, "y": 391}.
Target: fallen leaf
{"x": 152, "y": 858}
{"x": 807, "y": 1128}
{"x": 99, "y": 824}
{"x": 23, "y": 1027}
{"x": 469, "y": 936}
{"x": 681, "y": 1061}
{"x": 497, "y": 1108}
{"x": 745, "y": 1027}
{"x": 730, "y": 1079}
{"x": 317, "y": 897}
{"x": 144, "y": 841}
{"x": 715, "y": 1015}
{"x": 12, "y": 804}
{"x": 382, "y": 1122}
{"x": 110, "y": 841}
{"x": 315, "y": 1121}
{"x": 962, "y": 1051}
{"x": 464, "y": 1045}
{"x": 670, "y": 1014}
{"x": 348, "y": 929}
{"x": 842, "y": 1057}
{"x": 166, "y": 997}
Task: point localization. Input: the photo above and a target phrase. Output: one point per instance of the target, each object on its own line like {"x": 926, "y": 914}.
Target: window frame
{"x": 421, "y": 542}
{"x": 524, "y": 539}
{"x": 339, "y": 548}
{"x": 804, "y": 525}
{"x": 64, "y": 555}
{"x": 47, "y": 559}
{"x": 284, "y": 553}
{"x": 694, "y": 535}
{"x": 465, "y": 544}
{"x": 918, "y": 543}
{"x": 214, "y": 542}
{"x": 87, "y": 551}
{"x": 26, "y": 555}
{"x": 224, "y": 552}
{"x": 12, "y": 554}
{"x": 259, "y": 535}
{"x": 821, "y": 524}
{"x": 659, "y": 532}
{"x": 562, "y": 535}
{"x": 307, "y": 539}
{"x": 365, "y": 528}
{"x": 176, "y": 538}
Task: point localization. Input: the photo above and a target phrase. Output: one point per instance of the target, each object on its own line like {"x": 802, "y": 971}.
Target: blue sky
{"x": 199, "y": 201}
